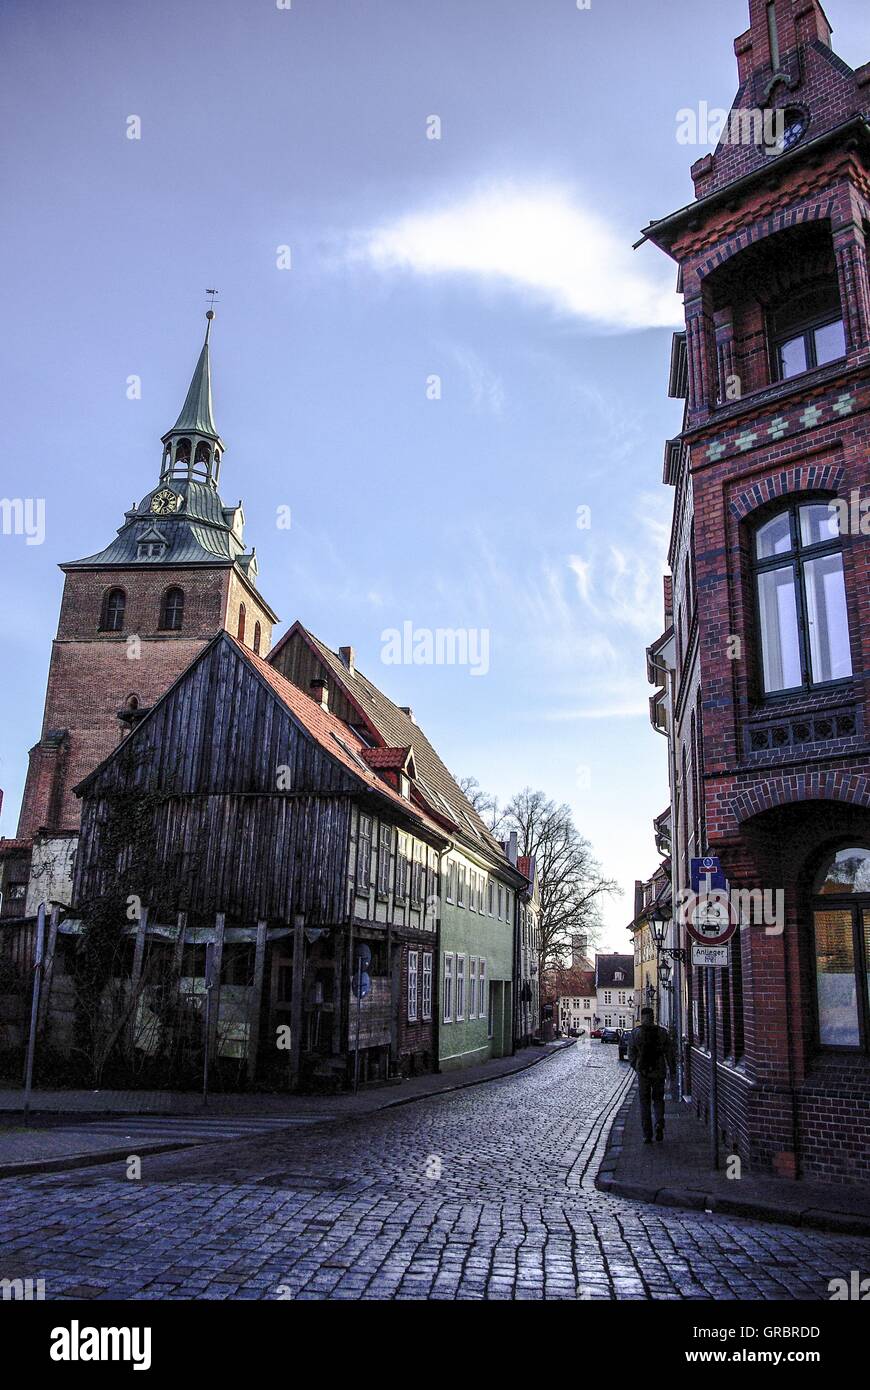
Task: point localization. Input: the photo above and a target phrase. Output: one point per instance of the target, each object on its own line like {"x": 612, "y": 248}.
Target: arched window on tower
{"x": 182, "y": 456}
{"x": 202, "y": 458}
{"x": 257, "y": 638}
{"x": 241, "y": 629}
{"x": 172, "y": 610}
{"x": 114, "y": 607}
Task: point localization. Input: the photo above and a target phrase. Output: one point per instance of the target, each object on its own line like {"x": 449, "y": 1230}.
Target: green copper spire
{"x": 196, "y": 413}
{"x": 193, "y": 448}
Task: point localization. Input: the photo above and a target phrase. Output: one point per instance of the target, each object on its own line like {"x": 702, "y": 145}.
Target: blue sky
{"x": 496, "y": 258}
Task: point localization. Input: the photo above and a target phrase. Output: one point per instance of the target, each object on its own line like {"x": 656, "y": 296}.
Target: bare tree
{"x": 572, "y": 883}
{"x": 486, "y": 806}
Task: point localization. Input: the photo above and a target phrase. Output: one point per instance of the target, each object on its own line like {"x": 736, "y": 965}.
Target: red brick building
{"x": 132, "y": 618}
{"x": 767, "y": 684}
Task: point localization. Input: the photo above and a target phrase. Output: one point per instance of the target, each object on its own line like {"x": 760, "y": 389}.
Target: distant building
{"x": 614, "y": 991}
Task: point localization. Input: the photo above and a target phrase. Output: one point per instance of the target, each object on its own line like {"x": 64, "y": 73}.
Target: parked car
{"x": 596, "y": 1033}
{"x": 610, "y": 1035}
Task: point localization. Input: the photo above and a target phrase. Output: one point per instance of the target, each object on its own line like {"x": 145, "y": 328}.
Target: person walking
{"x": 651, "y": 1054}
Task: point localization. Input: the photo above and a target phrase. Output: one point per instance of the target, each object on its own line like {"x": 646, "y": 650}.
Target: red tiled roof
{"x": 331, "y": 733}
{"x": 386, "y": 757}
{"x": 14, "y": 847}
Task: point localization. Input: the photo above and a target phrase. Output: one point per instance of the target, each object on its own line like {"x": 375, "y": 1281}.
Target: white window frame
{"x": 364, "y": 855}
{"x": 450, "y": 881}
{"x": 460, "y": 886}
{"x": 426, "y": 992}
{"x": 500, "y": 901}
{"x": 461, "y": 978}
{"x": 385, "y": 854}
{"x": 472, "y": 891}
{"x": 482, "y": 989}
{"x": 413, "y": 986}
{"x": 472, "y": 987}
{"x": 447, "y": 992}
{"x": 491, "y": 898}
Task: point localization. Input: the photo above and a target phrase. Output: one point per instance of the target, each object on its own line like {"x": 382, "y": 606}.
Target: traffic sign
{"x": 707, "y": 872}
{"x": 714, "y": 956}
{"x": 710, "y": 921}
{"x": 361, "y": 984}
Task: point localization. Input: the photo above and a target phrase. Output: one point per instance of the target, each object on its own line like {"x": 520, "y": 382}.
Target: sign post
{"x": 361, "y": 985}
{"x": 711, "y": 928}
{"x": 34, "y": 1010}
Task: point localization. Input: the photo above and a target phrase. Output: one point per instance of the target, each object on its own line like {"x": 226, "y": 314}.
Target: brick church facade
{"x": 768, "y": 622}
{"x": 132, "y": 618}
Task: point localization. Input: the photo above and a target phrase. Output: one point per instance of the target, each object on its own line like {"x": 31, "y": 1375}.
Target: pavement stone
{"x": 345, "y": 1209}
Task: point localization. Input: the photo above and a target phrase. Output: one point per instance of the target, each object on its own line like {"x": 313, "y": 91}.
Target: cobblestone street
{"x": 482, "y": 1193}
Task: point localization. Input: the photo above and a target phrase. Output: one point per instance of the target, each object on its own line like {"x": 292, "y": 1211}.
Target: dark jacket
{"x": 665, "y": 1062}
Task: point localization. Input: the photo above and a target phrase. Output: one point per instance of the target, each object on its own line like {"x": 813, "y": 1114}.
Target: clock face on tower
{"x": 165, "y": 501}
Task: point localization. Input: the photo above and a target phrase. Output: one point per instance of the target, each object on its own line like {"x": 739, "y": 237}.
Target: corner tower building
{"x": 768, "y": 677}
{"x": 132, "y": 617}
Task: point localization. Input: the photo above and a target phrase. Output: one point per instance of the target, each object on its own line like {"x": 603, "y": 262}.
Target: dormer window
{"x": 808, "y": 331}
{"x": 151, "y": 550}
{"x": 405, "y": 785}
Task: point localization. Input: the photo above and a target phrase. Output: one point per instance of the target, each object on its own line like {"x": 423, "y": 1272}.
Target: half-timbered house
{"x": 246, "y": 815}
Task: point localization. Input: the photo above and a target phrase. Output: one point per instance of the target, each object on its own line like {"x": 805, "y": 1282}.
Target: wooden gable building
{"x": 261, "y": 840}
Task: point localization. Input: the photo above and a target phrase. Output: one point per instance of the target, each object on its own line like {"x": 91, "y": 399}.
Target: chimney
{"x": 406, "y": 709}
{"x": 320, "y": 693}
{"x": 346, "y": 654}
{"x": 513, "y": 847}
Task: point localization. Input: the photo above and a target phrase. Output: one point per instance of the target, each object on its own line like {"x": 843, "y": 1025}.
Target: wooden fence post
{"x": 256, "y": 1001}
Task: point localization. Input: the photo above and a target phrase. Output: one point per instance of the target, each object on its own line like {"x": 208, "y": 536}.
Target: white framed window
{"x": 472, "y": 987}
{"x": 460, "y": 886}
{"x": 491, "y": 898}
{"x": 481, "y": 885}
{"x": 417, "y": 875}
{"x": 402, "y": 868}
{"x": 460, "y": 988}
{"x": 482, "y": 1002}
{"x": 447, "y": 1000}
{"x": 364, "y": 854}
{"x": 472, "y": 891}
{"x": 426, "y": 1000}
{"x": 450, "y": 891}
{"x": 413, "y": 961}
{"x": 500, "y": 902}
{"x": 432, "y": 888}
{"x": 607, "y": 998}
{"x": 386, "y": 850}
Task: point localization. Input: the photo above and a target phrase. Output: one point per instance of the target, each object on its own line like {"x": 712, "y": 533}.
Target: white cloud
{"x": 544, "y": 241}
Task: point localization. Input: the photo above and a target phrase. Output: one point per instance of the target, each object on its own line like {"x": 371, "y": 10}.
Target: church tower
{"x": 132, "y": 617}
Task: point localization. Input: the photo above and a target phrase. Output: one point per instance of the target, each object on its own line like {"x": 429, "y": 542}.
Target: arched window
{"x": 202, "y": 457}
{"x": 801, "y": 599}
{"x": 114, "y": 606}
{"x": 182, "y": 453}
{"x": 841, "y": 930}
{"x": 172, "y": 610}
{"x": 241, "y": 630}
{"x": 257, "y": 635}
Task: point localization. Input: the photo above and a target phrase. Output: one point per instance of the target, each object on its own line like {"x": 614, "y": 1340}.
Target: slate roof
{"x": 196, "y": 414}
{"x": 398, "y": 730}
{"x": 199, "y": 533}
{"x": 607, "y": 966}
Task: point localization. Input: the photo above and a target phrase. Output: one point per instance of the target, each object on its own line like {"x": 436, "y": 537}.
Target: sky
{"x": 433, "y": 343}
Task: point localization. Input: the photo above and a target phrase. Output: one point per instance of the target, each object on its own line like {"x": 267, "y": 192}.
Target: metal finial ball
{"x": 209, "y": 313}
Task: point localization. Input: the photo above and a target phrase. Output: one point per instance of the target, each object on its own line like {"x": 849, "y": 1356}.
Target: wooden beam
{"x": 214, "y": 981}
{"x": 256, "y": 1001}
{"x": 136, "y": 973}
{"x": 48, "y": 971}
{"x": 296, "y": 1001}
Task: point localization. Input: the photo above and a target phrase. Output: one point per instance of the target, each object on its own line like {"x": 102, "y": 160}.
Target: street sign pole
{"x": 34, "y": 1010}
{"x": 714, "y": 1079}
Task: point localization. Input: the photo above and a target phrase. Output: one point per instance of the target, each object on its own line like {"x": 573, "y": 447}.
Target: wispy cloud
{"x": 485, "y": 386}
{"x": 545, "y": 241}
